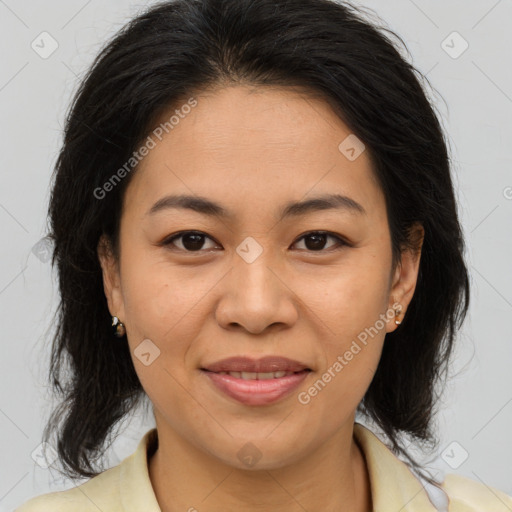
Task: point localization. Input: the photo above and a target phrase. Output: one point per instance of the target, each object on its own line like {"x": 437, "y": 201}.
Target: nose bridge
{"x": 252, "y": 267}
{"x": 256, "y": 297}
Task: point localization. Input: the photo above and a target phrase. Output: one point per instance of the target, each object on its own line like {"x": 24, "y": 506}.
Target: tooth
{"x": 265, "y": 376}
{"x": 257, "y": 376}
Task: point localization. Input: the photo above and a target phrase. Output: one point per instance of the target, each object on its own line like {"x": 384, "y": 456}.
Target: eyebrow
{"x": 292, "y": 209}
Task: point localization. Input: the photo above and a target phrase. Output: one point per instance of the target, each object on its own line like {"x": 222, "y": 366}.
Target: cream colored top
{"x": 127, "y": 487}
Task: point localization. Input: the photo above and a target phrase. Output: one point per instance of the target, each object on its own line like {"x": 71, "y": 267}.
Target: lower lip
{"x": 256, "y": 392}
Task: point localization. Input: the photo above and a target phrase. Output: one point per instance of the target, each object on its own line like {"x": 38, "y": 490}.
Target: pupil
{"x": 318, "y": 242}
{"x": 196, "y": 243}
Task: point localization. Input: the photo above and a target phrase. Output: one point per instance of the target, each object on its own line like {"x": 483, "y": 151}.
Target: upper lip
{"x": 263, "y": 365}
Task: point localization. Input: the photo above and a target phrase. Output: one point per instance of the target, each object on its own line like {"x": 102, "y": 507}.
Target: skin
{"x": 253, "y": 150}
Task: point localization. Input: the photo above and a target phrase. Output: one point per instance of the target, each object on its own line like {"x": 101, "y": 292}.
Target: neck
{"x": 333, "y": 478}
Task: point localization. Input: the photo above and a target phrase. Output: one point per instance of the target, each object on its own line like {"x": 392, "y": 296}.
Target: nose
{"x": 256, "y": 296}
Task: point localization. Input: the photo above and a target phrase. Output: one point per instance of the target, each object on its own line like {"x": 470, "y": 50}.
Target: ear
{"x": 405, "y": 276}
{"x": 111, "y": 277}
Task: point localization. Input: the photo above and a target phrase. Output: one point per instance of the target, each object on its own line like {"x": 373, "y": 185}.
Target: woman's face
{"x": 259, "y": 280}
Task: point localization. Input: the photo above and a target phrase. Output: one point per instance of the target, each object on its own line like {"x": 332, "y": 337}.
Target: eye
{"x": 317, "y": 240}
{"x": 192, "y": 241}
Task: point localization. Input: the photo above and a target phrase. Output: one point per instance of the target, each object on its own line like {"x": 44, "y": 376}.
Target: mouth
{"x": 255, "y": 388}
{"x": 268, "y": 367}
{"x": 258, "y": 375}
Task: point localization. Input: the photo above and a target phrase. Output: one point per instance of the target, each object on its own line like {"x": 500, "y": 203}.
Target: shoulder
{"x": 99, "y": 493}
{"x": 467, "y": 495}
{"x": 126, "y": 486}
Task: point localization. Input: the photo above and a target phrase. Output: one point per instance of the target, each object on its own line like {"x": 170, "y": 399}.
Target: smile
{"x": 256, "y": 388}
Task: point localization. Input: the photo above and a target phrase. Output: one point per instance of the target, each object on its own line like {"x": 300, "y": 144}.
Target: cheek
{"x": 159, "y": 306}
{"x": 352, "y": 350}
{"x": 152, "y": 287}
{"x": 350, "y": 307}
{"x": 158, "y": 303}
{"x": 349, "y": 297}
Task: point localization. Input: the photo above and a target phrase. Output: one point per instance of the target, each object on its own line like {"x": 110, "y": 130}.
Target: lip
{"x": 263, "y": 365}
{"x": 256, "y": 392}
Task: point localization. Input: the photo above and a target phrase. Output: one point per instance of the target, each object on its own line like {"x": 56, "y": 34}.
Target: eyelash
{"x": 340, "y": 242}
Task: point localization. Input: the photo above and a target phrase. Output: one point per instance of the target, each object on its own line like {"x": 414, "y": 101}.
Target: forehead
{"x": 245, "y": 143}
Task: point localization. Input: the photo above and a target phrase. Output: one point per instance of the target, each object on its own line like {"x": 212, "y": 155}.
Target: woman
{"x": 255, "y": 227}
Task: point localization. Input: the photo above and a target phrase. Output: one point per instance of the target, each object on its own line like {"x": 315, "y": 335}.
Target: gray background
{"x": 474, "y": 99}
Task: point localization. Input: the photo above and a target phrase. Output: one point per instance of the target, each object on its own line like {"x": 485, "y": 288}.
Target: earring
{"x": 118, "y": 327}
{"x": 397, "y": 316}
